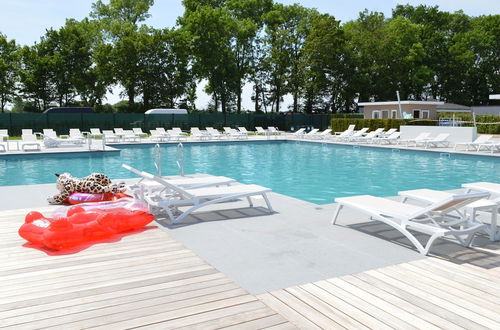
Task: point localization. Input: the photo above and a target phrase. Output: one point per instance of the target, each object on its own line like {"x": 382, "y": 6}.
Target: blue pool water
{"x": 309, "y": 171}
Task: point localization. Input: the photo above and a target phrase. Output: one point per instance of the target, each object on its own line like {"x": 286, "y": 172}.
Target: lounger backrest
{"x": 371, "y": 134}
{"x": 300, "y": 131}
{"x": 422, "y": 136}
{"x": 137, "y": 130}
{"x": 176, "y": 129}
{"x": 480, "y": 139}
{"x": 119, "y": 131}
{"x": 195, "y": 130}
{"x": 441, "y": 137}
{"x": 390, "y": 131}
{"x": 95, "y": 131}
{"x": 394, "y": 135}
{"x": 4, "y": 132}
{"x": 452, "y": 203}
{"x": 175, "y": 188}
{"x": 259, "y": 129}
{"x": 242, "y": 129}
{"x": 28, "y": 137}
{"x": 351, "y": 127}
{"x": 131, "y": 169}
{"x": 326, "y": 131}
{"x": 108, "y": 132}
{"x": 26, "y": 131}
{"x": 161, "y": 130}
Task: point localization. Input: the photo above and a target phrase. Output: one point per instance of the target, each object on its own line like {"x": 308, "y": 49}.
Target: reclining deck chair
{"x": 435, "y": 220}
{"x": 201, "y": 197}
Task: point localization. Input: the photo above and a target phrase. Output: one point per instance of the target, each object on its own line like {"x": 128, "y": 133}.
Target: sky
{"x": 26, "y": 20}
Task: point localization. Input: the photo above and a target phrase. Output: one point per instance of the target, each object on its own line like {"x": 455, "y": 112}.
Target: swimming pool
{"x": 312, "y": 172}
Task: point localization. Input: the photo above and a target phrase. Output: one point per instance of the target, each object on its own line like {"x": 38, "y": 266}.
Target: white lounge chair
{"x": 243, "y": 130}
{"x": 494, "y": 146}
{"x": 138, "y": 131}
{"x": 110, "y": 136}
{"x": 430, "y": 196}
{"x": 440, "y": 139}
{"x": 436, "y": 220}
{"x": 176, "y": 134}
{"x": 324, "y": 134}
{"x": 349, "y": 129}
{"x": 260, "y": 130}
{"x": 4, "y": 136}
{"x": 345, "y": 134}
{"x": 389, "y": 132}
{"x": 367, "y": 138}
{"x": 482, "y": 139}
{"x": 26, "y": 131}
{"x": 394, "y": 137}
{"x": 157, "y": 135}
{"x": 53, "y": 142}
{"x": 50, "y": 133}
{"x": 196, "y": 133}
{"x": 356, "y": 134}
{"x": 273, "y": 131}
{"x": 147, "y": 186}
{"x": 232, "y": 133}
{"x": 419, "y": 138}
{"x": 30, "y": 142}
{"x": 298, "y": 134}
{"x": 95, "y": 133}
{"x": 311, "y": 134}
{"x": 75, "y": 133}
{"x": 201, "y": 197}
{"x": 214, "y": 134}
{"x": 130, "y": 136}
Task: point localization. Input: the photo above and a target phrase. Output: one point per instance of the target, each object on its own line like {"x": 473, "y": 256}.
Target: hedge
{"x": 341, "y": 124}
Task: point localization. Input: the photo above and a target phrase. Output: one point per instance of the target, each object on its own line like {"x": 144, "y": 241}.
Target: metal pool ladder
{"x": 157, "y": 159}
{"x": 180, "y": 158}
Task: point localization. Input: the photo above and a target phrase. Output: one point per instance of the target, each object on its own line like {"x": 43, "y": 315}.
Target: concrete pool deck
{"x": 297, "y": 244}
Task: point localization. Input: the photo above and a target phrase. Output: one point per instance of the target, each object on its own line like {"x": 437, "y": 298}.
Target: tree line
{"x": 279, "y": 50}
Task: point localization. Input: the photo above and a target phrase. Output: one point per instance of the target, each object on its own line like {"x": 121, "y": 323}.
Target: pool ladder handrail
{"x": 157, "y": 159}
{"x": 179, "y": 157}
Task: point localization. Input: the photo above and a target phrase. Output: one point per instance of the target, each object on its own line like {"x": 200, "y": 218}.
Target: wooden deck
{"x": 150, "y": 280}
{"x": 424, "y": 294}
{"x": 142, "y": 280}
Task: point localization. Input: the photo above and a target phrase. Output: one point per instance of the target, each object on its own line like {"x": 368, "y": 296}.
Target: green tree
{"x": 327, "y": 85}
{"x": 120, "y": 20}
{"x": 287, "y": 28}
{"x": 9, "y": 68}
{"x": 211, "y": 28}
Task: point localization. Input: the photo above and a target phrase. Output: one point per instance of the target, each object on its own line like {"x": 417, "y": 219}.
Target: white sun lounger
{"x": 231, "y": 132}
{"x": 50, "y": 133}
{"x": 75, "y": 133}
{"x": 394, "y": 137}
{"x": 138, "y": 131}
{"x": 51, "y": 142}
{"x": 110, "y": 136}
{"x": 389, "y": 132}
{"x": 196, "y": 133}
{"x": 299, "y": 133}
{"x": 349, "y": 129}
{"x": 419, "y": 138}
{"x": 440, "y": 139}
{"x": 243, "y": 130}
{"x": 430, "y": 196}
{"x": 30, "y": 142}
{"x": 95, "y": 133}
{"x": 148, "y": 186}
{"x": 482, "y": 139}
{"x": 201, "y": 197}
{"x": 489, "y": 146}
{"x": 435, "y": 220}
{"x": 215, "y": 134}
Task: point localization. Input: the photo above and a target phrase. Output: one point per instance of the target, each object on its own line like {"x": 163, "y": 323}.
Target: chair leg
{"x": 336, "y": 214}
{"x": 250, "y": 201}
{"x": 270, "y": 208}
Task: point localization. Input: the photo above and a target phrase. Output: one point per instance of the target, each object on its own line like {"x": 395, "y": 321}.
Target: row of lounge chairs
{"x": 443, "y": 213}
{"x": 169, "y": 194}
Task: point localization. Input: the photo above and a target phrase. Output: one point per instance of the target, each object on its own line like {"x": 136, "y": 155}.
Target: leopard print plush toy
{"x": 95, "y": 183}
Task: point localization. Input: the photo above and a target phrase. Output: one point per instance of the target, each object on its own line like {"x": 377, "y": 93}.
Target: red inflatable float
{"x": 72, "y": 226}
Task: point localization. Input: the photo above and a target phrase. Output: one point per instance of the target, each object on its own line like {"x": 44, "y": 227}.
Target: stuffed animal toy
{"x": 95, "y": 183}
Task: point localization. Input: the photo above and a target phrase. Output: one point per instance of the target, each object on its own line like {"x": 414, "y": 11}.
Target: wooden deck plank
{"x": 287, "y": 312}
{"x": 349, "y": 308}
{"x": 418, "y": 312}
{"x": 456, "y": 297}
